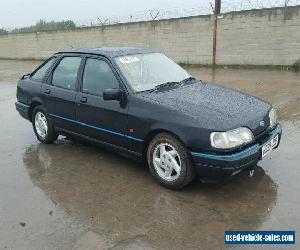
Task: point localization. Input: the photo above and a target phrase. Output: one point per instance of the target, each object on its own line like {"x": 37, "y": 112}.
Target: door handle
{"x": 83, "y": 99}
{"x": 47, "y": 91}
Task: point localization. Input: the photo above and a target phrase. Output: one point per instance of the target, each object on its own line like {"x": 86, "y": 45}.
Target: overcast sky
{"x": 16, "y": 13}
{"x": 25, "y": 12}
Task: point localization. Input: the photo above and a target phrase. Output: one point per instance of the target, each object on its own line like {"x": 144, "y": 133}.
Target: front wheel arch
{"x": 186, "y": 170}
{"x": 152, "y": 134}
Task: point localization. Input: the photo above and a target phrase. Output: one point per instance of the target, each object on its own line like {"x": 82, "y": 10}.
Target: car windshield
{"x": 146, "y": 71}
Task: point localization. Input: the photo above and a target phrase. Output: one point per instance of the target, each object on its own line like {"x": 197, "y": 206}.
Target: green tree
{"x": 3, "y": 31}
{"x": 43, "y": 25}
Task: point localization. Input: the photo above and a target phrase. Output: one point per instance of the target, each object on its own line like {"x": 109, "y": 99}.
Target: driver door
{"x": 103, "y": 120}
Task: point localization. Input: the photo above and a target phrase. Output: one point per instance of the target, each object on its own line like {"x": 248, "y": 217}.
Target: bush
{"x": 296, "y": 65}
{"x": 46, "y": 26}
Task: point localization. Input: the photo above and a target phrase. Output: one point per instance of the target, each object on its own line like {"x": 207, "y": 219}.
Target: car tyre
{"x": 42, "y": 126}
{"x": 169, "y": 161}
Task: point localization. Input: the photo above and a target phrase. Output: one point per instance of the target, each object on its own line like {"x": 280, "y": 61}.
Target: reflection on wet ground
{"x": 119, "y": 199}
{"x": 69, "y": 195}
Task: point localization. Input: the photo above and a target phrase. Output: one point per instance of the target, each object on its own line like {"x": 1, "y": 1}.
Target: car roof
{"x": 110, "y": 51}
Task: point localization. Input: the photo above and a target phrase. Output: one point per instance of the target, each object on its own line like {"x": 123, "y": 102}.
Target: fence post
{"x": 217, "y": 10}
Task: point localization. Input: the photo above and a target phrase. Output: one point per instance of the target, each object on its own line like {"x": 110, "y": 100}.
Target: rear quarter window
{"x": 39, "y": 74}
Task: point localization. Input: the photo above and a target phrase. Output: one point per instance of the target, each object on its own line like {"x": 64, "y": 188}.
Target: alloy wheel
{"x": 166, "y": 161}
{"x": 41, "y": 124}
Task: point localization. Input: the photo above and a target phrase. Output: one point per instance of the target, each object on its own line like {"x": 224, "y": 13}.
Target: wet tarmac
{"x": 68, "y": 195}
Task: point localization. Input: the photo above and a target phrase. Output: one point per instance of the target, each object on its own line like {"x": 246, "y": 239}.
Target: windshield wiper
{"x": 25, "y": 76}
{"x": 170, "y": 84}
{"x": 188, "y": 79}
{"x": 163, "y": 85}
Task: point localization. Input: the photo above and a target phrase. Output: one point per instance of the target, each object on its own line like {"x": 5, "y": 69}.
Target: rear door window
{"x": 39, "y": 74}
{"x": 65, "y": 74}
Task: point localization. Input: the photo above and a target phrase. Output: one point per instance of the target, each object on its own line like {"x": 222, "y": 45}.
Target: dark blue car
{"x": 140, "y": 102}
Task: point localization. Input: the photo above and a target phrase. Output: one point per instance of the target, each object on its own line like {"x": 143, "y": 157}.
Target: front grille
{"x": 262, "y": 134}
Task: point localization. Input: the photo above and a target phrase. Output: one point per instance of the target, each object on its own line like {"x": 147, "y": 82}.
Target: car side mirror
{"x": 112, "y": 94}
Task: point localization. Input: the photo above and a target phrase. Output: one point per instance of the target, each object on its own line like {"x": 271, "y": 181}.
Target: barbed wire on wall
{"x": 203, "y": 9}
{"x": 229, "y": 5}
{"x": 149, "y": 15}
{"x": 183, "y": 10}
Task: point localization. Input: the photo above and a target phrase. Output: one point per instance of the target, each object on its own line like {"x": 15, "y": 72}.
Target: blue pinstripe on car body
{"x": 97, "y": 128}
{"x": 244, "y": 152}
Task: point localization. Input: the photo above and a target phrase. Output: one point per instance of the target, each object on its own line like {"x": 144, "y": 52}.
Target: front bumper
{"x": 219, "y": 166}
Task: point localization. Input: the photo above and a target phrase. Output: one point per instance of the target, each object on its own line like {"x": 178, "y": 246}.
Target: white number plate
{"x": 267, "y": 148}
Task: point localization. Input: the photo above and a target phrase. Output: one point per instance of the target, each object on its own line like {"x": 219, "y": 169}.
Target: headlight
{"x": 272, "y": 117}
{"x": 231, "y": 139}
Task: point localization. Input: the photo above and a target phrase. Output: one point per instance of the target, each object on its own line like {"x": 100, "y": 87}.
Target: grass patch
{"x": 244, "y": 66}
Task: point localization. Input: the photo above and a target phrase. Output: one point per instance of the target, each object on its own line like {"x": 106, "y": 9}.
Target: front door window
{"x": 97, "y": 77}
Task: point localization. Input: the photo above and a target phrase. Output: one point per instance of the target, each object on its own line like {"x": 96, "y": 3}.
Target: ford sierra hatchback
{"x": 140, "y": 102}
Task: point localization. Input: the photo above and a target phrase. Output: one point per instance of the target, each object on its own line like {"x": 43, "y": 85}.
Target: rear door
{"x": 60, "y": 92}
{"x": 100, "y": 119}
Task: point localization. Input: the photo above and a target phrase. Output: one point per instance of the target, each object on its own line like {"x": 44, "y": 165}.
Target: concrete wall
{"x": 259, "y": 37}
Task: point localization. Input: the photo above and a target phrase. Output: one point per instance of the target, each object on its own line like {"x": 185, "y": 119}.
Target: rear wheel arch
{"x": 31, "y": 108}
{"x": 42, "y": 125}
